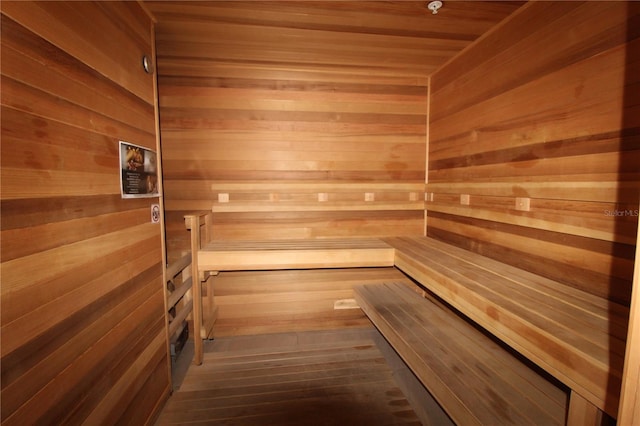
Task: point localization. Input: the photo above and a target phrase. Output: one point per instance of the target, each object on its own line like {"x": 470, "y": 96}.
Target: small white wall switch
{"x": 223, "y": 197}
{"x": 523, "y": 204}
{"x": 465, "y": 199}
{"x": 369, "y": 196}
{"x": 323, "y": 196}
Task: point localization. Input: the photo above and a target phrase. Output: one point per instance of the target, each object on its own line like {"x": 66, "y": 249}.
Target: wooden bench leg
{"x": 193, "y": 224}
{"x": 205, "y": 313}
{"x": 197, "y": 320}
{"x": 209, "y": 307}
{"x": 582, "y": 412}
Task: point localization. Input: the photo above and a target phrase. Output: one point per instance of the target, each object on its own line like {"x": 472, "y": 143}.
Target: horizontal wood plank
{"x": 296, "y": 96}
{"x": 465, "y": 370}
{"x": 543, "y": 148}
{"x": 255, "y": 302}
{"x": 294, "y": 254}
{"x": 578, "y": 339}
{"x": 334, "y": 376}
{"x": 83, "y": 328}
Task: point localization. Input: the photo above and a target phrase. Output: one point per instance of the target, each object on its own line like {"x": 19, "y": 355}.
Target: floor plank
{"x": 331, "y": 377}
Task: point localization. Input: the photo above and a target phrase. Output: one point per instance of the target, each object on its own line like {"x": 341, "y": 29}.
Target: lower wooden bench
{"x": 474, "y": 379}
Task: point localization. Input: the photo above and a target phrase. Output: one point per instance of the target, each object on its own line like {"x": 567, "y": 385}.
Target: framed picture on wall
{"x": 138, "y": 171}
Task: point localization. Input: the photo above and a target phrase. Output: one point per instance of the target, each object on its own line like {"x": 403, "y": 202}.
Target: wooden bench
{"x": 209, "y": 257}
{"x": 294, "y": 254}
{"x": 576, "y": 337}
{"x": 473, "y": 378}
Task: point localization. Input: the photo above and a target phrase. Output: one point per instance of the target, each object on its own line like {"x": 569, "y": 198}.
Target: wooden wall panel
{"x": 282, "y": 301}
{"x": 534, "y": 145}
{"x": 316, "y": 142}
{"x": 82, "y": 305}
{"x": 301, "y": 119}
{"x": 629, "y": 409}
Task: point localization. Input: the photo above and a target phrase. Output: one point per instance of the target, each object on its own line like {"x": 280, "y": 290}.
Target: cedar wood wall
{"x": 545, "y": 108}
{"x": 83, "y": 324}
{"x": 274, "y": 117}
{"x": 277, "y": 104}
{"x": 268, "y": 107}
{"x": 530, "y": 111}
{"x": 72, "y": 290}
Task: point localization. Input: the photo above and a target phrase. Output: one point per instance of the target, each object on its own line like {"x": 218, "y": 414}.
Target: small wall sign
{"x": 138, "y": 171}
{"x": 155, "y": 213}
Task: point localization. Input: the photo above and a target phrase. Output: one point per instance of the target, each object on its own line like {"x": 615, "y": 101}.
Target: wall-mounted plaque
{"x": 138, "y": 171}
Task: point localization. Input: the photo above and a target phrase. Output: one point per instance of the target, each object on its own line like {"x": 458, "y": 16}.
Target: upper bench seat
{"x": 294, "y": 254}
{"x": 577, "y": 337}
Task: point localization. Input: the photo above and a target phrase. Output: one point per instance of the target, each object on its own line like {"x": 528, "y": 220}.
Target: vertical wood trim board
{"x": 163, "y": 234}
{"x": 426, "y": 176}
{"x": 536, "y": 129}
{"x": 83, "y": 334}
{"x": 629, "y": 412}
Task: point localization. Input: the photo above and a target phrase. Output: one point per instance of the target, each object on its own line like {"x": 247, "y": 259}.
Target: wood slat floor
{"x": 335, "y": 377}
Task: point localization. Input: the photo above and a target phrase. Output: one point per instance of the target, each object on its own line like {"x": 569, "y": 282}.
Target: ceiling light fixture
{"x": 434, "y": 6}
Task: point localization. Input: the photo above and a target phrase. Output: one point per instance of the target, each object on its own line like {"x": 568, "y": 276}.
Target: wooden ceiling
{"x": 379, "y": 37}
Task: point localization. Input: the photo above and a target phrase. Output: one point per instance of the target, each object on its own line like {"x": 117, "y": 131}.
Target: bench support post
{"x": 193, "y": 222}
{"x": 193, "y": 225}
{"x": 582, "y": 412}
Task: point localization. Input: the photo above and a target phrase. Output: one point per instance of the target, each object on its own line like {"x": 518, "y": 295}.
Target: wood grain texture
{"x": 474, "y": 379}
{"x": 82, "y": 324}
{"x": 314, "y": 378}
{"x": 285, "y": 97}
{"x": 582, "y": 413}
{"x": 629, "y": 411}
{"x": 294, "y": 254}
{"x": 575, "y": 336}
{"x": 179, "y": 296}
{"x": 257, "y": 302}
{"x": 535, "y": 112}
